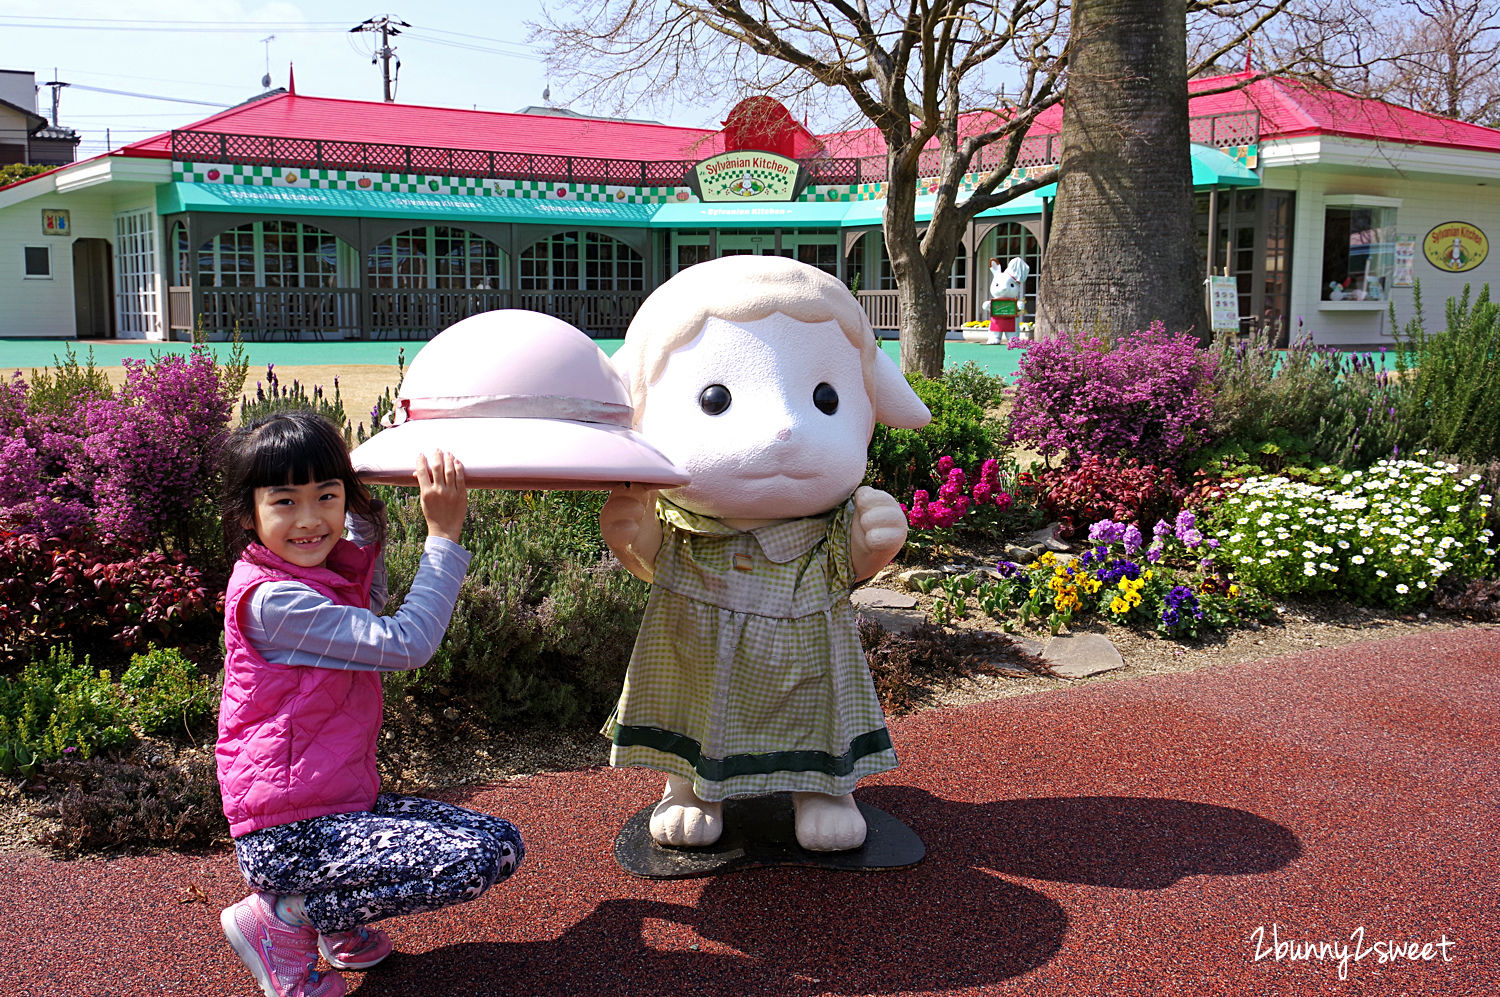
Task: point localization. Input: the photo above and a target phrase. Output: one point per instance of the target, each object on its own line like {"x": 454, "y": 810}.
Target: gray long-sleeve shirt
{"x": 291, "y": 624}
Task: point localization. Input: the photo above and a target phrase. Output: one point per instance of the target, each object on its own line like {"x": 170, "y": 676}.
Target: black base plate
{"x": 758, "y": 831}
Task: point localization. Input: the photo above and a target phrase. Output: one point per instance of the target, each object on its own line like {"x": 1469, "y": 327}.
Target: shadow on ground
{"x": 954, "y": 921}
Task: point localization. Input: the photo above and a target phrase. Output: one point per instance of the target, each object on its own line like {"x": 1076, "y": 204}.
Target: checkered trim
{"x": 406, "y": 183}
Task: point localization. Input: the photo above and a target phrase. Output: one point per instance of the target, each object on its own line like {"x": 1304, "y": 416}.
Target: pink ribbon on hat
{"x": 567, "y": 407}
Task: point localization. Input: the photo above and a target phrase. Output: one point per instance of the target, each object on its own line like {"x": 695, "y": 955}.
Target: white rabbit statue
{"x": 1007, "y": 298}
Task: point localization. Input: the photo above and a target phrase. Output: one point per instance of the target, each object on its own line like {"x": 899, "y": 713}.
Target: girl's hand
{"x": 444, "y": 496}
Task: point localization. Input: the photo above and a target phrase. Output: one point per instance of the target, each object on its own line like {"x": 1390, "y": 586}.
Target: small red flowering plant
{"x": 980, "y": 501}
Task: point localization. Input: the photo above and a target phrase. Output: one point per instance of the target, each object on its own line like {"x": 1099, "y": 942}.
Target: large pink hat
{"x": 524, "y": 400}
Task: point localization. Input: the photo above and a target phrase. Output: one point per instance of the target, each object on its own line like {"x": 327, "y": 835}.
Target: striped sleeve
{"x": 291, "y": 624}
{"x": 361, "y": 530}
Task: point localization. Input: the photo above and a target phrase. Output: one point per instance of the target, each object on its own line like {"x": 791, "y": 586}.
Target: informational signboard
{"x": 55, "y": 222}
{"x": 1455, "y": 246}
{"x": 1405, "y": 260}
{"x": 1224, "y": 304}
{"x": 747, "y": 176}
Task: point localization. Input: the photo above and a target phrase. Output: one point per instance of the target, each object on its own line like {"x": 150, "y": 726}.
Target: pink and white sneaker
{"x": 357, "y": 948}
{"x": 280, "y": 956}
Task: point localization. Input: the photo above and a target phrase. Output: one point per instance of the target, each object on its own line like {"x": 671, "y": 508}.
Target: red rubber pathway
{"x": 1184, "y": 834}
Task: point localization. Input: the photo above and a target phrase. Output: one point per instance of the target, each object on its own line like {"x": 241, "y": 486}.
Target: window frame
{"x": 1359, "y": 298}
{"x": 26, "y": 263}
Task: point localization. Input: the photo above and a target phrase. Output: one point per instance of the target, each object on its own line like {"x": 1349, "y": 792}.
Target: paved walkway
{"x": 1184, "y": 834}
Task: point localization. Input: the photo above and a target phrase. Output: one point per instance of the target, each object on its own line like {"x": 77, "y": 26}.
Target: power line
{"x": 179, "y": 27}
{"x": 417, "y": 35}
{"x": 469, "y": 36}
{"x": 145, "y": 96}
{"x": 150, "y": 79}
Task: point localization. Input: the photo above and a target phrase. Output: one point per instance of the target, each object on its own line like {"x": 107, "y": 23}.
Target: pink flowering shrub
{"x": 1147, "y": 398}
{"x": 136, "y": 469}
{"x": 983, "y": 503}
{"x": 153, "y": 449}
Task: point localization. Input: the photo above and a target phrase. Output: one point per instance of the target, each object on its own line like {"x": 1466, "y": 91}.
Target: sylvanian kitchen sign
{"x": 747, "y": 175}
{"x": 1455, "y": 246}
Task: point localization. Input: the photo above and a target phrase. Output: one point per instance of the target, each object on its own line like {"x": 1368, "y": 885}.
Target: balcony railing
{"x": 383, "y": 313}
{"x": 1219, "y": 130}
{"x": 884, "y": 308}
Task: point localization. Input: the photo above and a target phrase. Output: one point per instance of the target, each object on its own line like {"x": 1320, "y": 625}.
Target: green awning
{"x": 248, "y": 199}
{"x": 1212, "y": 168}
{"x": 756, "y": 214}
{"x": 862, "y": 213}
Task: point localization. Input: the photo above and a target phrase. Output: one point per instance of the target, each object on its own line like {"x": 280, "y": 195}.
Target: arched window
{"x": 958, "y": 274}
{"x": 272, "y": 253}
{"x": 581, "y": 261}
{"x": 438, "y": 256}
{"x": 182, "y": 256}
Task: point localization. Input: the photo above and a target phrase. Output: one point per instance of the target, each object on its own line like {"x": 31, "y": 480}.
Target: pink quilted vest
{"x": 295, "y": 742}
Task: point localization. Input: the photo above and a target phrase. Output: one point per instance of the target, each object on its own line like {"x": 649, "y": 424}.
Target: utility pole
{"x": 389, "y": 27}
{"x": 56, "y": 86}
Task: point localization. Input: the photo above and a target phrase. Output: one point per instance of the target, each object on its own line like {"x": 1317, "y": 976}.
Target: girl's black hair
{"x": 286, "y": 448}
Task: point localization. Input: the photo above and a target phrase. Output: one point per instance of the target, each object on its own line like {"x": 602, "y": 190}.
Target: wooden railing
{"x": 385, "y": 313}
{"x": 180, "y": 308}
{"x": 289, "y": 312}
{"x": 414, "y": 314}
{"x": 884, "y": 308}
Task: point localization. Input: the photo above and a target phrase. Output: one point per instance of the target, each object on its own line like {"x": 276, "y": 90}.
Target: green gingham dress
{"x": 747, "y": 676}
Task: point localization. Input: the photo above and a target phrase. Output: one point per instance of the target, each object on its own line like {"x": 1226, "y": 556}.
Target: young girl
{"x": 325, "y": 851}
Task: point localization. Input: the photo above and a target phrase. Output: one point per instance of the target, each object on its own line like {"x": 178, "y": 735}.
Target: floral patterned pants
{"x": 407, "y": 855}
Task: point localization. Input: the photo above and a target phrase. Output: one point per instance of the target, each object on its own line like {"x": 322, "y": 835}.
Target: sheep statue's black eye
{"x": 826, "y": 398}
{"x": 714, "y": 399}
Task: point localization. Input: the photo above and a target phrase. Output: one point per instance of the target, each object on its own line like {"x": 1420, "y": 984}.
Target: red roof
{"x": 293, "y": 116}
{"x": 1288, "y": 109}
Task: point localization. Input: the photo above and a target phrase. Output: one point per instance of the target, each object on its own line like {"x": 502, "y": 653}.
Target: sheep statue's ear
{"x": 895, "y": 403}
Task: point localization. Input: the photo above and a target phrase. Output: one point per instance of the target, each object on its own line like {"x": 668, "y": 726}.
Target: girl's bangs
{"x": 296, "y": 459}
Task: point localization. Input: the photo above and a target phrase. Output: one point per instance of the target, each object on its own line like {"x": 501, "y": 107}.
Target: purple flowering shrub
{"x": 136, "y": 470}
{"x": 42, "y": 486}
{"x": 101, "y": 493}
{"x": 153, "y": 450}
{"x": 1147, "y": 397}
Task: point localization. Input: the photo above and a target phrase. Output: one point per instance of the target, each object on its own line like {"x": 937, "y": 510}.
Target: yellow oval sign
{"x": 1455, "y": 246}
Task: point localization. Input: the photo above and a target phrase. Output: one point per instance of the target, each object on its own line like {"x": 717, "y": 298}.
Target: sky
{"x": 457, "y": 53}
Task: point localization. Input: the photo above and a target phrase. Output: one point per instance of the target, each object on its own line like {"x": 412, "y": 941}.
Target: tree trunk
{"x": 924, "y": 324}
{"x": 1121, "y": 252}
{"x": 921, "y": 287}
